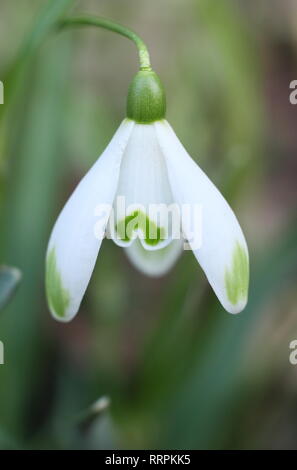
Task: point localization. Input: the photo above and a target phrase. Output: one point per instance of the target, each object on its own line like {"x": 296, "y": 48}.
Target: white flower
{"x": 145, "y": 164}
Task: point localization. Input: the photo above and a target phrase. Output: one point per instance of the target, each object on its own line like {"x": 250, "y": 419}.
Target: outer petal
{"x": 74, "y": 242}
{"x": 222, "y": 253}
{"x": 154, "y": 263}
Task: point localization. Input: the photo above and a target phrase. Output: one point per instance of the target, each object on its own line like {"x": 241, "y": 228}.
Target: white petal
{"x": 223, "y": 254}
{"x": 75, "y": 239}
{"x": 143, "y": 193}
{"x": 154, "y": 263}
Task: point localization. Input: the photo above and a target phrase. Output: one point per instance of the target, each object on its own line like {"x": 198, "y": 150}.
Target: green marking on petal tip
{"x": 58, "y": 297}
{"x": 138, "y": 220}
{"x": 237, "y": 279}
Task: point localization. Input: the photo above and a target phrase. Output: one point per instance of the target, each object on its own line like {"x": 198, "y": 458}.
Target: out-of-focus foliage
{"x": 178, "y": 371}
{"x": 9, "y": 279}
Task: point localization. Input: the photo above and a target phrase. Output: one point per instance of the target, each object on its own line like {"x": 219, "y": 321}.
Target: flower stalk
{"x": 144, "y": 57}
{"x": 146, "y": 101}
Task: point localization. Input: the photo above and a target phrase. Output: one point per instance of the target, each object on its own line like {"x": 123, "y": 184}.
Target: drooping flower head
{"x": 150, "y": 197}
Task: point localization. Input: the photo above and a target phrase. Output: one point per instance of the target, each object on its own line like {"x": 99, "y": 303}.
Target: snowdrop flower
{"x": 145, "y": 164}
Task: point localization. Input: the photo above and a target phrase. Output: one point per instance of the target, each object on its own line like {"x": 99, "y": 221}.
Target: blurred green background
{"x": 178, "y": 370}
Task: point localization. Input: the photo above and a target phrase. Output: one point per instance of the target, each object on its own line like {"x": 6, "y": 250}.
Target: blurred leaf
{"x": 9, "y": 279}
{"x": 44, "y": 24}
{"x": 15, "y": 79}
{"x": 96, "y": 429}
{"x": 213, "y": 387}
{"x": 86, "y": 418}
{"x": 6, "y": 442}
{"x": 34, "y": 152}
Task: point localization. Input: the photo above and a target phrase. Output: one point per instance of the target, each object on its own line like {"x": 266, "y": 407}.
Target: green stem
{"x": 144, "y": 58}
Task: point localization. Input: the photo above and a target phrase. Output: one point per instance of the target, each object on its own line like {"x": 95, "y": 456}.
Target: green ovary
{"x": 138, "y": 220}
{"x": 237, "y": 278}
{"x": 58, "y": 297}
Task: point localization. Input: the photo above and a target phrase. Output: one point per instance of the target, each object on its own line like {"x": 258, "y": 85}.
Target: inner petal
{"x": 143, "y": 206}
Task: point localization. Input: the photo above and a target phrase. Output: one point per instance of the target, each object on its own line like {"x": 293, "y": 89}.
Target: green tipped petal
{"x": 153, "y": 234}
{"x": 75, "y": 240}
{"x": 237, "y": 279}
{"x": 58, "y": 297}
